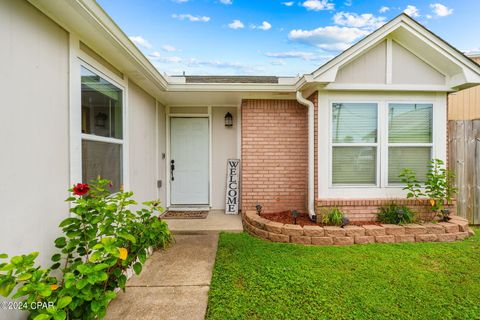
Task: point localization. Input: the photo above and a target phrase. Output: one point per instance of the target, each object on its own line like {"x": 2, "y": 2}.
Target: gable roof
{"x": 444, "y": 52}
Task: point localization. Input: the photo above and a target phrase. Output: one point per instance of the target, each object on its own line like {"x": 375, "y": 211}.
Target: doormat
{"x": 185, "y": 215}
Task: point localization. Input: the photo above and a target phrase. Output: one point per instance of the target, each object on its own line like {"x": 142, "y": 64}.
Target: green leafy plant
{"x": 438, "y": 188}
{"x": 333, "y": 217}
{"x": 395, "y": 214}
{"x": 102, "y": 239}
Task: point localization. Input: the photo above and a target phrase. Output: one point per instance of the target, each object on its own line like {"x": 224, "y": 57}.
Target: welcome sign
{"x": 233, "y": 178}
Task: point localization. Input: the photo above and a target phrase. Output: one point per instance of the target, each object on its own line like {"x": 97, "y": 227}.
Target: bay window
{"x": 371, "y": 143}
{"x": 102, "y": 129}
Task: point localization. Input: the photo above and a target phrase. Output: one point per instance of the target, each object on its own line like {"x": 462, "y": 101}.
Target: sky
{"x": 274, "y": 37}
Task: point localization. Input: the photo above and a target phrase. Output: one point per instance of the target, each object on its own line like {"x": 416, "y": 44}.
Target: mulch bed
{"x": 185, "y": 215}
{"x": 285, "y": 217}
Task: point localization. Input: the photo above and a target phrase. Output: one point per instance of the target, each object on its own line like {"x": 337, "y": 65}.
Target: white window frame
{"x": 79, "y": 59}
{"x": 386, "y": 149}
{"x": 325, "y": 189}
{"x": 376, "y": 145}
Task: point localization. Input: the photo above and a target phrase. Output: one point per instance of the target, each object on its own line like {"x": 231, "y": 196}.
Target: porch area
{"x": 216, "y": 221}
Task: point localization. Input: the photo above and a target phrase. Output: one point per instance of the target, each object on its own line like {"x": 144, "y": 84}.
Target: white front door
{"x": 189, "y": 161}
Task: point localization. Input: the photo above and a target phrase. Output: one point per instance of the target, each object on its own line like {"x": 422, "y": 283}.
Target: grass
{"x": 257, "y": 279}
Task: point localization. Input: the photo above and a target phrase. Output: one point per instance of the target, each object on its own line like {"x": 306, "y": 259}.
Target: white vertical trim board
{"x": 389, "y": 60}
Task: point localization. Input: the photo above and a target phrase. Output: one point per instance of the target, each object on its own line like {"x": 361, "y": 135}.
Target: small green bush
{"x": 334, "y": 217}
{"x": 395, "y": 214}
{"x": 101, "y": 240}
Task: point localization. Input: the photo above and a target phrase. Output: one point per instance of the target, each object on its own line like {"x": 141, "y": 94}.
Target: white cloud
{"x": 236, "y": 24}
{"x": 264, "y": 26}
{"x": 317, "y": 5}
{"x": 191, "y": 17}
{"x": 472, "y": 51}
{"x": 291, "y": 54}
{"x": 157, "y": 56}
{"x": 330, "y": 38}
{"x": 288, "y": 4}
{"x": 366, "y": 20}
{"x": 140, "y": 41}
{"x": 412, "y": 11}
{"x": 383, "y": 9}
{"x": 440, "y": 10}
{"x": 168, "y": 48}
{"x": 278, "y": 62}
{"x": 226, "y": 1}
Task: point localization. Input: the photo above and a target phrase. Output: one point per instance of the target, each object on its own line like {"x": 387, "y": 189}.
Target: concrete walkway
{"x": 174, "y": 283}
{"x": 216, "y": 220}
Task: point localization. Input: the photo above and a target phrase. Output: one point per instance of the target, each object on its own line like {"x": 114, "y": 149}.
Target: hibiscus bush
{"x": 102, "y": 239}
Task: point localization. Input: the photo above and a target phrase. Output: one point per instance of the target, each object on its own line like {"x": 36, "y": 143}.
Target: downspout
{"x": 311, "y": 154}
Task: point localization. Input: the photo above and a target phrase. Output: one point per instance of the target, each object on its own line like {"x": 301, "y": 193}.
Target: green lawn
{"x": 257, "y": 279}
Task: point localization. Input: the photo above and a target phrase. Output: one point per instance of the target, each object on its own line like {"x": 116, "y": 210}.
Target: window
{"x": 102, "y": 129}
{"x": 354, "y": 143}
{"x": 373, "y": 142}
{"x": 410, "y": 139}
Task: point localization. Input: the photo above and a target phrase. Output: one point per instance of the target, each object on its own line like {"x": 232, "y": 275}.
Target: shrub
{"x": 333, "y": 217}
{"x": 102, "y": 239}
{"x": 438, "y": 187}
{"x": 395, "y": 214}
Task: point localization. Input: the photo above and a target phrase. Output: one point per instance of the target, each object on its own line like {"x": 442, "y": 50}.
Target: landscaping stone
{"x": 259, "y": 222}
{"x": 292, "y": 230}
{"x": 426, "y": 237}
{"x": 462, "y": 224}
{"x": 434, "y": 228}
{"x": 471, "y": 232}
{"x": 385, "y": 239}
{"x": 322, "y": 241}
{"x": 354, "y": 231}
{"x": 334, "y": 232}
{"x": 446, "y": 237}
{"x": 343, "y": 241}
{"x": 415, "y": 229}
{"x": 250, "y": 216}
{"x": 301, "y": 239}
{"x": 275, "y": 227}
{"x": 404, "y": 238}
{"x": 275, "y": 237}
{"x": 462, "y": 235}
{"x": 372, "y": 230}
{"x": 364, "y": 239}
{"x": 313, "y": 231}
{"x": 393, "y": 229}
{"x": 261, "y": 233}
{"x": 450, "y": 227}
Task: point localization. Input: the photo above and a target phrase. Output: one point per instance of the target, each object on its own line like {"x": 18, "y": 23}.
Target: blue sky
{"x": 274, "y": 37}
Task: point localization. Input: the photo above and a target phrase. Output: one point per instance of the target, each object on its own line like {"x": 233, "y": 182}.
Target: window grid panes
{"x": 102, "y": 129}
{"x": 354, "y": 143}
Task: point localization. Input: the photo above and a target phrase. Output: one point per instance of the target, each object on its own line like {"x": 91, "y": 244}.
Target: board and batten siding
{"x": 465, "y": 104}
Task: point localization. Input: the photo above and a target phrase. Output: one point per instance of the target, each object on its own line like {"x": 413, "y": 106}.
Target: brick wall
{"x": 274, "y": 155}
{"x": 367, "y": 209}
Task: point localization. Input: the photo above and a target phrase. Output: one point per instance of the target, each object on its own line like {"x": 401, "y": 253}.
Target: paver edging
{"x": 456, "y": 229}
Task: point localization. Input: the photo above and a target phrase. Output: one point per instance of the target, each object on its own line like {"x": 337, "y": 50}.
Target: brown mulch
{"x": 285, "y": 217}
{"x": 185, "y": 215}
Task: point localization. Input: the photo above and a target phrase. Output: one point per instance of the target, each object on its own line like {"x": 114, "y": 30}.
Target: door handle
{"x": 172, "y": 168}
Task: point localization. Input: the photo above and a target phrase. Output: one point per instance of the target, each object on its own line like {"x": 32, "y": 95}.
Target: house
{"x": 80, "y": 100}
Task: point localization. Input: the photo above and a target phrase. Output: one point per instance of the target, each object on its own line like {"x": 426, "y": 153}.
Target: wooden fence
{"x": 464, "y": 160}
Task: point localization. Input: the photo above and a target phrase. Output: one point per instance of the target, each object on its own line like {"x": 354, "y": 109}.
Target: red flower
{"x": 81, "y": 189}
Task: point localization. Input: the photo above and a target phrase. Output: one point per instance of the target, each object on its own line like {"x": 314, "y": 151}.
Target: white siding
{"x": 142, "y": 143}
{"x": 368, "y": 68}
{"x": 34, "y": 158}
{"x": 409, "y": 69}
{"x": 224, "y": 142}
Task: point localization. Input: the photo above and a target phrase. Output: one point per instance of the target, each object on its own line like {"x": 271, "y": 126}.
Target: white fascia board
{"x": 387, "y": 87}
